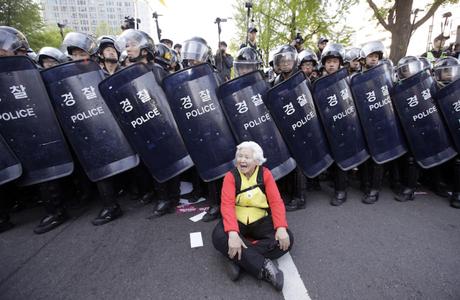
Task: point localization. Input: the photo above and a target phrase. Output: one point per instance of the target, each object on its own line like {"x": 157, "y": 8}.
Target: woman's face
{"x": 245, "y": 162}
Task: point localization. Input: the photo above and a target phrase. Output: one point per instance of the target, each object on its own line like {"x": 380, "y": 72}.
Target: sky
{"x": 183, "y": 19}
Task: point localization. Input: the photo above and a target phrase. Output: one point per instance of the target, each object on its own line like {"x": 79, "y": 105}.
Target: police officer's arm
{"x": 227, "y": 205}
{"x": 274, "y": 200}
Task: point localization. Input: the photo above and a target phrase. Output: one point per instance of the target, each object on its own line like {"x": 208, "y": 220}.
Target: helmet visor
{"x": 195, "y": 51}
{"x": 285, "y": 61}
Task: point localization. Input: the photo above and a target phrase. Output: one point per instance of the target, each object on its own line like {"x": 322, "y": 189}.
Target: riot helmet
{"x": 163, "y": 55}
{"x": 12, "y": 41}
{"x": 134, "y": 42}
{"x": 352, "y": 59}
{"x": 371, "y": 53}
{"x": 195, "y": 51}
{"x": 425, "y": 62}
{"x": 79, "y": 43}
{"x": 104, "y": 42}
{"x": 352, "y": 54}
{"x": 333, "y": 50}
{"x": 308, "y": 55}
{"x": 373, "y": 47}
{"x": 332, "y": 57}
{"x": 285, "y": 59}
{"x": 447, "y": 70}
{"x": 50, "y": 56}
{"x": 247, "y": 60}
{"x": 408, "y": 66}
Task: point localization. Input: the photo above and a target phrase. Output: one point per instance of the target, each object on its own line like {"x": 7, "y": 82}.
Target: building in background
{"x": 91, "y": 16}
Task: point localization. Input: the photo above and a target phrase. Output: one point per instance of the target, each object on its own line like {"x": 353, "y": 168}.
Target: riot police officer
{"x": 13, "y": 42}
{"x": 294, "y": 184}
{"x": 140, "y": 47}
{"x": 446, "y": 71}
{"x": 307, "y": 63}
{"x": 79, "y": 45}
{"x": 49, "y": 57}
{"x": 352, "y": 60}
{"x": 371, "y": 172}
{"x": 108, "y": 54}
{"x": 286, "y": 61}
{"x": 332, "y": 59}
{"x": 164, "y": 56}
{"x": 407, "y": 67}
{"x": 246, "y": 61}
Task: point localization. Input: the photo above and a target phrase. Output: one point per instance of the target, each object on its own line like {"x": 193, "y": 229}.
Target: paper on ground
{"x": 196, "y": 240}
{"x": 197, "y": 217}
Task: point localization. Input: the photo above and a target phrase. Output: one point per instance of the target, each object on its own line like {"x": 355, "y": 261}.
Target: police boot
{"x": 233, "y": 270}
{"x": 5, "y": 223}
{"x": 51, "y": 221}
{"x": 339, "y": 198}
{"x": 212, "y": 214}
{"x": 455, "y": 200}
{"x": 272, "y": 274}
{"x": 439, "y": 187}
{"x": 163, "y": 207}
{"x": 108, "y": 214}
{"x": 407, "y": 194}
{"x": 371, "y": 197}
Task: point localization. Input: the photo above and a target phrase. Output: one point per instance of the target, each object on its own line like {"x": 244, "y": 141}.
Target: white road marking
{"x": 293, "y": 285}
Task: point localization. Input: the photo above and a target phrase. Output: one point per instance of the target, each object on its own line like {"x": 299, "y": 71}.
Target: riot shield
{"x": 10, "y": 167}
{"x": 242, "y": 100}
{"x": 28, "y": 123}
{"x": 371, "y": 92}
{"x": 448, "y": 100}
{"x": 142, "y": 111}
{"x": 422, "y": 123}
{"x": 291, "y": 105}
{"x": 95, "y": 136}
{"x": 193, "y": 101}
{"x": 334, "y": 101}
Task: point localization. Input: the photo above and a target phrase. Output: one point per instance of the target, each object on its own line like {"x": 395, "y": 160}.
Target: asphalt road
{"x": 388, "y": 250}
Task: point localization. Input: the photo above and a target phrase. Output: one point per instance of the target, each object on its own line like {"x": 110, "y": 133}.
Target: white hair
{"x": 257, "y": 152}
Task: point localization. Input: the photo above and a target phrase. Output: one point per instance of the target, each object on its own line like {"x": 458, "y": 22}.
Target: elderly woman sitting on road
{"x": 253, "y": 230}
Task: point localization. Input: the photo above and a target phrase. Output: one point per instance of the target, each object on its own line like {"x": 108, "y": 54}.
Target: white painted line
{"x": 293, "y": 285}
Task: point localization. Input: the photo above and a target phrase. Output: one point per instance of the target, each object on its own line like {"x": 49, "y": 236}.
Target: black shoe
{"x": 371, "y": 197}
{"x": 272, "y": 274}
{"x": 212, "y": 214}
{"x": 163, "y": 207}
{"x": 50, "y": 222}
{"x": 108, "y": 214}
{"x": 295, "y": 204}
{"x": 5, "y": 224}
{"x": 233, "y": 270}
{"x": 339, "y": 198}
{"x": 441, "y": 191}
{"x": 192, "y": 197}
{"x": 407, "y": 194}
{"x": 147, "y": 198}
{"x": 455, "y": 200}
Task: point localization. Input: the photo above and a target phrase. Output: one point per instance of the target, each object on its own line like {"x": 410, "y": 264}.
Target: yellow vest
{"x": 251, "y": 205}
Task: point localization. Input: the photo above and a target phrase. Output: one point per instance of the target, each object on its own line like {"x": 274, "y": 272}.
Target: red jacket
{"x": 228, "y": 196}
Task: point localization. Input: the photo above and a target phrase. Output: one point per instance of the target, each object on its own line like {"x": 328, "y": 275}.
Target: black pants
{"x": 371, "y": 175}
{"x": 264, "y": 246}
{"x": 340, "y": 178}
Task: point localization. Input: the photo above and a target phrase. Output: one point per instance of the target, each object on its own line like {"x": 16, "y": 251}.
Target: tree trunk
{"x": 401, "y": 30}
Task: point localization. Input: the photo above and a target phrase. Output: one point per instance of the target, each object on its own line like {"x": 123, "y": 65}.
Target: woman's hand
{"x": 282, "y": 236}
{"x": 234, "y": 244}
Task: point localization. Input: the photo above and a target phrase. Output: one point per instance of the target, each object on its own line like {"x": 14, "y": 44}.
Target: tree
{"x": 104, "y": 29}
{"x": 278, "y": 22}
{"x": 48, "y": 36}
{"x": 23, "y": 15}
{"x": 395, "y": 16}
